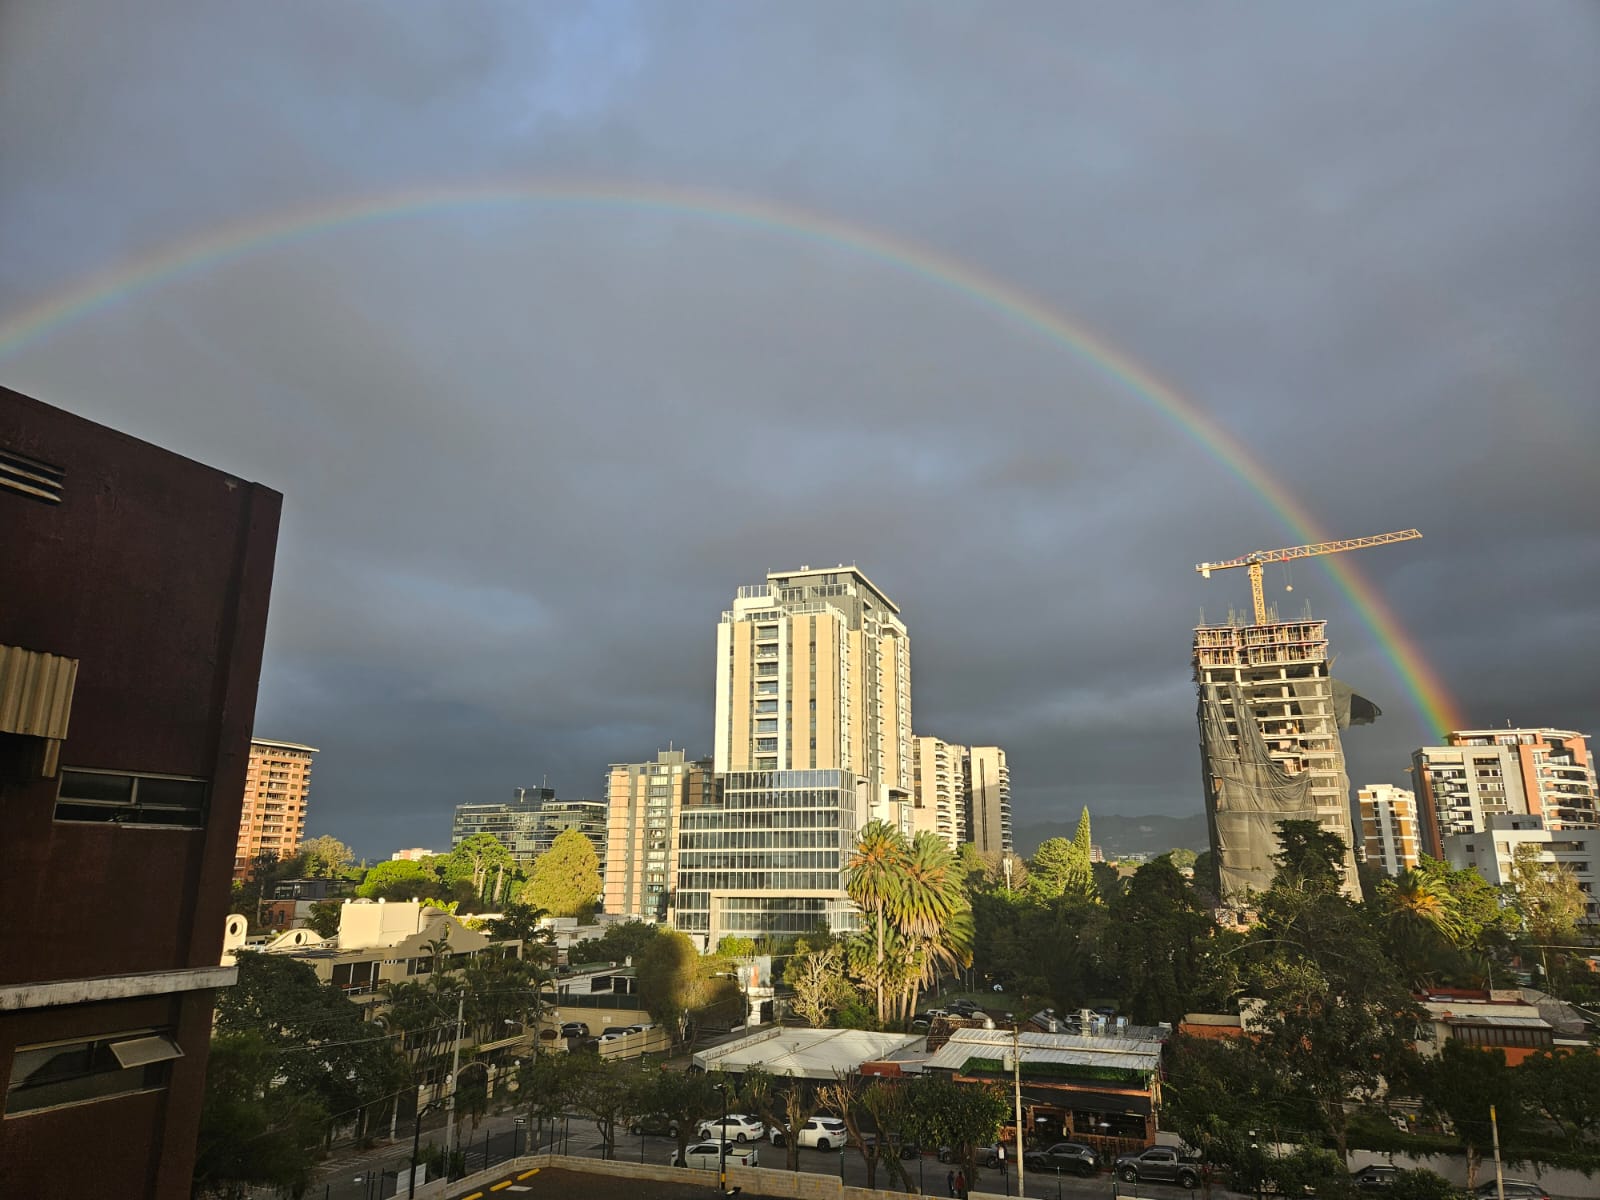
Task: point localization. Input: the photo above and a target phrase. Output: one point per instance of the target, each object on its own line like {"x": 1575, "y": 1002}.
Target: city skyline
{"x": 553, "y": 329}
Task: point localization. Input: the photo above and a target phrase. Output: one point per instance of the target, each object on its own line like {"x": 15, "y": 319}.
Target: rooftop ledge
{"x": 17, "y": 996}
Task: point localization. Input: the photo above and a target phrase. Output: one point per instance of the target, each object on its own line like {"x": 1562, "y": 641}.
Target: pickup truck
{"x": 1159, "y": 1164}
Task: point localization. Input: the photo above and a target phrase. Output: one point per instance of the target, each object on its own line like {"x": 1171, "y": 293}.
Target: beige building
{"x": 1389, "y": 827}
{"x": 939, "y": 789}
{"x": 277, "y": 782}
{"x": 814, "y": 674}
{"x": 1484, "y": 773}
{"x": 644, "y": 803}
{"x": 962, "y": 793}
{"x": 988, "y": 799}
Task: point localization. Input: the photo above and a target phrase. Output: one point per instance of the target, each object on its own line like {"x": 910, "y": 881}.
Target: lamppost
{"x": 722, "y": 1149}
{"x": 416, "y": 1146}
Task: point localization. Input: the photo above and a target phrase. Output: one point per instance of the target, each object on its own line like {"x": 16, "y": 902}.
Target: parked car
{"x": 639, "y": 1028}
{"x": 574, "y": 1029}
{"x": 1375, "y": 1177}
{"x": 708, "y": 1155}
{"x": 1064, "y": 1156}
{"x": 1159, "y": 1164}
{"x": 656, "y": 1124}
{"x": 964, "y": 1008}
{"x": 986, "y": 1156}
{"x": 613, "y": 1035}
{"x": 823, "y": 1133}
{"x": 1516, "y": 1189}
{"x": 741, "y": 1127}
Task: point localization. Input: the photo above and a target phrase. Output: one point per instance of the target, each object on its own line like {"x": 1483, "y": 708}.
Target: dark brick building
{"x": 133, "y": 603}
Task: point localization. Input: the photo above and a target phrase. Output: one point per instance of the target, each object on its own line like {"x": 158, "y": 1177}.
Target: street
{"x": 373, "y": 1175}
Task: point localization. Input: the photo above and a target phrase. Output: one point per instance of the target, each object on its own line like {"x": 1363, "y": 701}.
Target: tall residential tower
{"x": 275, "y": 789}
{"x": 814, "y": 674}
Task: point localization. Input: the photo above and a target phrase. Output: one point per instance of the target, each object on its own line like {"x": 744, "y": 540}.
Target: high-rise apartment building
{"x": 135, "y": 595}
{"x": 939, "y": 789}
{"x": 275, "y": 789}
{"x": 1270, "y": 715}
{"x": 814, "y": 674}
{"x": 987, "y": 801}
{"x": 645, "y": 802}
{"x": 1481, "y": 773}
{"x": 1389, "y": 827}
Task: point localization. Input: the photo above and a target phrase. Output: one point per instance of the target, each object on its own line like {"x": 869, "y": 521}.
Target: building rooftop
{"x": 1125, "y": 1053}
{"x": 804, "y": 1053}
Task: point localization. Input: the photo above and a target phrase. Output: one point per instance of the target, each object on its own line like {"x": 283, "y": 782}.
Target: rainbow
{"x": 195, "y": 254}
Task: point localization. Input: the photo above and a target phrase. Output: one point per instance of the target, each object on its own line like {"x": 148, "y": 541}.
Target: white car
{"x": 707, "y": 1155}
{"x": 823, "y": 1133}
{"x": 614, "y": 1035}
{"x": 740, "y": 1127}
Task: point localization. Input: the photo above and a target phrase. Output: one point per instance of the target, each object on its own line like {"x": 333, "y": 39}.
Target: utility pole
{"x": 1016, "y": 1083}
{"x": 450, "y": 1100}
{"x": 1499, "y": 1174}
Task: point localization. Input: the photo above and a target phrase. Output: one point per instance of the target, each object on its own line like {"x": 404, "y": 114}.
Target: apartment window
{"x": 78, "y": 1072}
{"x": 127, "y": 799}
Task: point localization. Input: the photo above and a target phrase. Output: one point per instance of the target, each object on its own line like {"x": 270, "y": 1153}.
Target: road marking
{"x": 474, "y": 1196}
{"x": 525, "y": 1174}
{"x": 501, "y": 1186}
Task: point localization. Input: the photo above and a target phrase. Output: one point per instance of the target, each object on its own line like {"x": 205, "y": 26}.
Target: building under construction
{"x": 1270, "y": 715}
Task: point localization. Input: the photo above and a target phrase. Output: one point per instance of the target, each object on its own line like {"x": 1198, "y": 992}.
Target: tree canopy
{"x": 565, "y": 881}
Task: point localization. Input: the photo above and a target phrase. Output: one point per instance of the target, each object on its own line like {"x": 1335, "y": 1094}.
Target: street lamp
{"x": 722, "y": 1149}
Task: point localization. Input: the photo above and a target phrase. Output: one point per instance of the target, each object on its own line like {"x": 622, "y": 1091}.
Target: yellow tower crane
{"x": 1256, "y": 559}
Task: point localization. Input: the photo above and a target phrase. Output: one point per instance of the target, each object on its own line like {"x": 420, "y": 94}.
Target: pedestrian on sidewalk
{"x": 950, "y": 1183}
{"x": 961, "y": 1184}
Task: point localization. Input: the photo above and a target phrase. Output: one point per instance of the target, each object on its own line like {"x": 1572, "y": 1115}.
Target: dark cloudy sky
{"x": 528, "y": 452}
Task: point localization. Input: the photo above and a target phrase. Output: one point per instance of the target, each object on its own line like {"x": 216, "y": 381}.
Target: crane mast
{"x": 1256, "y": 560}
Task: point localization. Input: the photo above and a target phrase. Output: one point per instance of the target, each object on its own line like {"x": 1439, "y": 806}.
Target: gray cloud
{"x": 528, "y": 451}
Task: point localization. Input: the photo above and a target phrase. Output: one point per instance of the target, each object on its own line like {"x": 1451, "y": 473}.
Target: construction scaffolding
{"x": 1269, "y": 715}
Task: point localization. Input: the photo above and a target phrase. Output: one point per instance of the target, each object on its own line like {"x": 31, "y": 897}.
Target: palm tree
{"x": 875, "y": 883}
{"x": 933, "y": 913}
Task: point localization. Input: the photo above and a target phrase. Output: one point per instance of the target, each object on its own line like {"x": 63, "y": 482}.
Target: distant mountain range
{"x": 1122, "y": 835}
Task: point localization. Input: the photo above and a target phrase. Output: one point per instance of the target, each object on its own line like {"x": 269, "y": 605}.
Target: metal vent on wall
{"x": 30, "y": 477}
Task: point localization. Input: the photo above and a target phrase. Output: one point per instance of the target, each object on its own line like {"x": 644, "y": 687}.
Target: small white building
{"x": 1492, "y": 850}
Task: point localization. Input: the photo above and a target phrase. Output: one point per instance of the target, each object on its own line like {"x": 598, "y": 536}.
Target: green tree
{"x": 1217, "y": 1096}
{"x": 732, "y": 946}
{"x": 1061, "y": 867}
{"x": 547, "y": 1087}
{"x": 325, "y": 856}
{"x": 685, "y": 1099}
{"x": 1547, "y": 896}
{"x": 933, "y": 915}
{"x": 820, "y": 988}
{"x": 566, "y": 878}
{"x": 876, "y": 876}
{"x": 1156, "y": 943}
{"x": 483, "y": 864}
{"x": 963, "y": 1116}
{"x": 1181, "y": 857}
{"x": 611, "y": 1092}
{"x": 398, "y": 880}
{"x": 1309, "y": 856}
{"x": 324, "y": 918}
{"x": 1565, "y": 1086}
{"x": 524, "y": 923}
{"x": 325, "y": 1047}
{"x": 676, "y": 983}
{"x": 1463, "y": 1083}
{"x": 622, "y": 940}
{"x": 1423, "y": 1185}
{"x": 254, "y": 1131}
{"x": 1339, "y": 1017}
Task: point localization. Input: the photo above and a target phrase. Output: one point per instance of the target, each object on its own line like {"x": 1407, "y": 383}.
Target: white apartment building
{"x": 1389, "y": 827}
{"x": 1492, "y": 850}
{"x": 1481, "y": 773}
{"x": 939, "y": 789}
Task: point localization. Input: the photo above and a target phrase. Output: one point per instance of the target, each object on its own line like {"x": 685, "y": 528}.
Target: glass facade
{"x": 770, "y": 858}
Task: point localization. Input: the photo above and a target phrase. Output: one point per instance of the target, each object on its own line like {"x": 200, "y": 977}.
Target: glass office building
{"x": 767, "y": 853}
